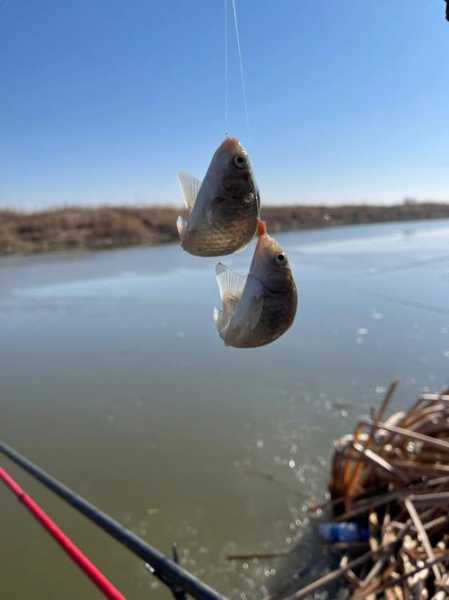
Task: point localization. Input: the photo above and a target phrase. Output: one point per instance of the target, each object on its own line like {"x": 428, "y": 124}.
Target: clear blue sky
{"x": 103, "y": 101}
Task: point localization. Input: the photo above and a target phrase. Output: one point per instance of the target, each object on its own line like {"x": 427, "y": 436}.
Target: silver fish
{"x": 257, "y": 309}
{"x": 224, "y": 208}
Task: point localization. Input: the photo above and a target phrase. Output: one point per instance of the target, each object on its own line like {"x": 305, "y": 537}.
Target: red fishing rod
{"x": 169, "y": 572}
{"x": 63, "y": 540}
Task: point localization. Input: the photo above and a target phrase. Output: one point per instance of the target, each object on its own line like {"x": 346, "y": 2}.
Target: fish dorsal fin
{"x": 190, "y": 187}
{"x": 229, "y": 283}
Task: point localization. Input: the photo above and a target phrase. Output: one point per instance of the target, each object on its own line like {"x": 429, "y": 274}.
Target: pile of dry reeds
{"x": 391, "y": 478}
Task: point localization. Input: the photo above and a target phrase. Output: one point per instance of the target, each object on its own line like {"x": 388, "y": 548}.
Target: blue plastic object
{"x": 343, "y": 532}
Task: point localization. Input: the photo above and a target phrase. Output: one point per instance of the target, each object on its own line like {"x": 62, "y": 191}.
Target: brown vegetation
{"x": 111, "y": 227}
{"x": 390, "y": 483}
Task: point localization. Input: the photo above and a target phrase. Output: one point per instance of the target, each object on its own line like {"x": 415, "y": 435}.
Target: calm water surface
{"x": 113, "y": 378}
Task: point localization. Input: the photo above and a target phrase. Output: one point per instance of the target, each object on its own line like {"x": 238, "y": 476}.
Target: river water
{"x": 112, "y": 377}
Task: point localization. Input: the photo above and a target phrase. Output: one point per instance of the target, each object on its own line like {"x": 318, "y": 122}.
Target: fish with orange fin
{"x": 223, "y": 209}
{"x": 257, "y": 309}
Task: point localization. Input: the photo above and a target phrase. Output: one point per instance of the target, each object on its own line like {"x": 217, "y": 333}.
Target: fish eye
{"x": 280, "y": 259}
{"x": 240, "y": 161}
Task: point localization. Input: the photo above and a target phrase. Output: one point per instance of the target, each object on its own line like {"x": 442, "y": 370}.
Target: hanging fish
{"x": 261, "y": 307}
{"x": 224, "y": 208}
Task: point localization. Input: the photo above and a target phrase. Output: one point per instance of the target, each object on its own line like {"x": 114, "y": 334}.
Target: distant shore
{"x": 114, "y": 227}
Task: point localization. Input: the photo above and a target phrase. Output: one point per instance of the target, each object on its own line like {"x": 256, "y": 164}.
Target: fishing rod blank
{"x": 88, "y": 568}
{"x": 167, "y": 571}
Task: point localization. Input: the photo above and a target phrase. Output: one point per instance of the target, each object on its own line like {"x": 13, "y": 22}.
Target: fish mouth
{"x": 265, "y": 243}
{"x": 232, "y": 145}
{"x": 263, "y": 253}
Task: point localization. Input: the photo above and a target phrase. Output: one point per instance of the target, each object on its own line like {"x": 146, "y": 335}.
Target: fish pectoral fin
{"x": 190, "y": 187}
{"x": 256, "y": 312}
{"x": 181, "y": 225}
{"x": 229, "y": 283}
{"x": 250, "y": 308}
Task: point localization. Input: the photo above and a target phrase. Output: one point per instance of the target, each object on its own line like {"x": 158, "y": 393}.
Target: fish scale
{"x": 276, "y": 317}
{"x": 227, "y": 233}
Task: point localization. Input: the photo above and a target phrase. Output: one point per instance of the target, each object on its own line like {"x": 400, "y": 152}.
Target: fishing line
{"x": 226, "y": 60}
{"x": 242, "y": 74}
{"x": 226, "y": 66}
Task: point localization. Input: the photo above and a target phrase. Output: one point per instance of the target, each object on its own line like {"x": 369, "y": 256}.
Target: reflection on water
{"x": 114, "y": 379}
